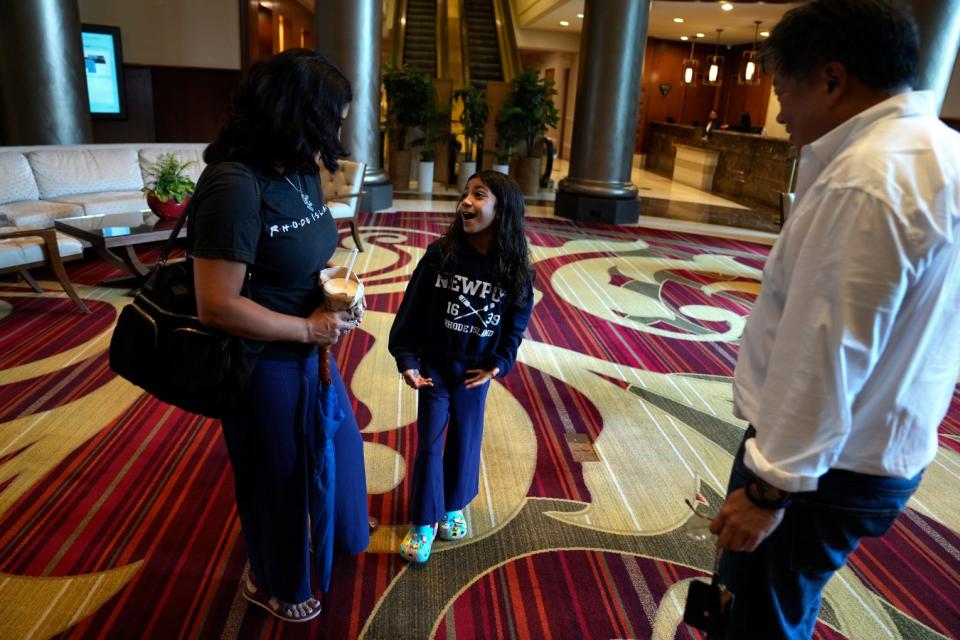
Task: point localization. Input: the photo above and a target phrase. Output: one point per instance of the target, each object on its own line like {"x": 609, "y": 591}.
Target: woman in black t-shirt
{"x": 260, "y": 234}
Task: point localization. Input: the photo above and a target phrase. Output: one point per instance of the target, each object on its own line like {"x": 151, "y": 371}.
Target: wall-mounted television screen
{"x": 103, "y": 62}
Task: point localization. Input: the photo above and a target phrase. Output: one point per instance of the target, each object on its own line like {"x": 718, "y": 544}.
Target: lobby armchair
{"x": 342, "y": 191}
{"x": 22, "y": 249}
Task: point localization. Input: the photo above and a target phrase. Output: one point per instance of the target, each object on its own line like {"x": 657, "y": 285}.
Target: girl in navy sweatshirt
{"x": 459, "y": 326}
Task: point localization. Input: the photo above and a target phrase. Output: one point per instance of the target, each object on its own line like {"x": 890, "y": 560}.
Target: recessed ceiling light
{"x": 678, "y": 19}
{"x": 580, "y": 15}
{"x": 764, "y": 34}
{"x": 726, "y": 6}
{"x": 701, "y": 35}
{"x": 684, "y": 38}
{"x": 564, "y": 23}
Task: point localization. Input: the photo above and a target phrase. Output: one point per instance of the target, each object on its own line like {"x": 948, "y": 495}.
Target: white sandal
{"x": 302, "y": 612}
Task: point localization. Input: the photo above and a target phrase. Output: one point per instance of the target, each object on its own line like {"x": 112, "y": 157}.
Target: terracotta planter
{"x": 400, "y": 170}
{"x": 528, "y": 175}
{"x": 169, "y": 210}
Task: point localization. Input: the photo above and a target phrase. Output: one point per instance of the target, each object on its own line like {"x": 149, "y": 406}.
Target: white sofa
{"x": 41, "y": 184}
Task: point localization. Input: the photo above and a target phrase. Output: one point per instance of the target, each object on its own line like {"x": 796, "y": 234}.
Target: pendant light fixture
{"x": 749, "y": 69}
{"x": 690, "y": 68}
{"x": 714, "y": 74}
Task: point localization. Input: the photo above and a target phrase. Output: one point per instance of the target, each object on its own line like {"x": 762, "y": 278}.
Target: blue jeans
{"x": 777, "y": 587}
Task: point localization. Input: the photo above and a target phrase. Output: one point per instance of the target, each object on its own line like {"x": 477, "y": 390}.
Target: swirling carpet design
{"x": 116, "y": 510}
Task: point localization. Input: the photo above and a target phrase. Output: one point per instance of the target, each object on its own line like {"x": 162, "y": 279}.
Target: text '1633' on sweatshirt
{"x": 463, "y": 315}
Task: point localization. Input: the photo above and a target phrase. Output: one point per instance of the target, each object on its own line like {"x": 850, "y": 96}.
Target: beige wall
{"x": 533, "y": 39}
{"x": 175, "y": 33}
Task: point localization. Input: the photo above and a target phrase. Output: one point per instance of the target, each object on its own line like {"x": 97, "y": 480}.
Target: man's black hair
{"x": 287, "y": 110}
{"x": 876, "y": 41}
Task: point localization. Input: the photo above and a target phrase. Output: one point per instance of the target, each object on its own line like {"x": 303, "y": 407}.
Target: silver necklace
{"x": 303, "y": 196}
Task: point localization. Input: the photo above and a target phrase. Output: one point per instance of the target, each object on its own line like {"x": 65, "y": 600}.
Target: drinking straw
{"x": 350, "y": 263}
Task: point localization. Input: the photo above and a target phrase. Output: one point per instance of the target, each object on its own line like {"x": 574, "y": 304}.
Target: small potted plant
{"x": 168, "y": 190}
{"x": 473, "y": 119}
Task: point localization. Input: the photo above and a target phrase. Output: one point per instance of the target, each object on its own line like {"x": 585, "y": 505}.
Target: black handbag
{"x": 160, "y": 344}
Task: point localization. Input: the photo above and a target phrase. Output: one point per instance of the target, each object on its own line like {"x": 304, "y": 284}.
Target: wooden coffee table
{"x": 115, "y": 236}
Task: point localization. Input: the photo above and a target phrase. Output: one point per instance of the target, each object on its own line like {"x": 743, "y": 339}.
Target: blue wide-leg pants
{"x": 266, "y": 440}
{"x": 446, "y": 472}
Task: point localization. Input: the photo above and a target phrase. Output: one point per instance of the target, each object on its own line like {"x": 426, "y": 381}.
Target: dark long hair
{"x": 875, "y": 40}
{"x": 509, "y": 255}
{"x": 286, "y": 111}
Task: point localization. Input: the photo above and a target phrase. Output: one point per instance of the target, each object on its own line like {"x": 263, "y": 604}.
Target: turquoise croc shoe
{"x": 453, "y": 526}
{"x": 418, "y": 542}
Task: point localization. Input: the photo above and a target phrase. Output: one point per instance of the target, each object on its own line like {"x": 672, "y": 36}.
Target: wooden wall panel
{"x": 190, "y": 105}
{"x": 139, "y": 125}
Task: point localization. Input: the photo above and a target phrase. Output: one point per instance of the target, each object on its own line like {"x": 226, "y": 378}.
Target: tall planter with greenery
{"x": 432, "y": 129}
{"x": 529, "y": 105}
{"x": 508, "y": 136}
{"x": 473, "y": 119}
{"x": 409, "y": 94}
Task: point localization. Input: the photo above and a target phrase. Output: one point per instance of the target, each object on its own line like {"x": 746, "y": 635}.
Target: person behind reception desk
{"x": 743, "y": 125}
{"x": 713, "y": 121}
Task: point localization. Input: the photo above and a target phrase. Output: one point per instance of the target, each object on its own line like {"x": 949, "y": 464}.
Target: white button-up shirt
{"x": 852, "y": 351}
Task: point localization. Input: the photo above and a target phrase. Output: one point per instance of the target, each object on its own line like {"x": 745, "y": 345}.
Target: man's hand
{"x": 480, "y": 376}
{"x": 414, "y": 380}
{"x": 742, "y": 525}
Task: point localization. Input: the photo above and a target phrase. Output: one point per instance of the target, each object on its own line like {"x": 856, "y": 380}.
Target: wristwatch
{"x": 766, "y": 496}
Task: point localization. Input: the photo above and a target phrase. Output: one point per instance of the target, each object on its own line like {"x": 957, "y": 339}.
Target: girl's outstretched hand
{"x": 480, "y": 376}
{"x": 414, "y": 380}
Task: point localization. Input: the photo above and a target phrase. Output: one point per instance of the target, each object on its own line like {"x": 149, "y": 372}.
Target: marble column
{"x": 598, "y": 187}
{"x": 349, "y": 34}
{"x": 43, "y": 90}
{"x": 939, "y": 24}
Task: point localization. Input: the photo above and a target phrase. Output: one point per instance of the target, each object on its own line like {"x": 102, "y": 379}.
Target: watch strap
{"x": 766, "y": 496}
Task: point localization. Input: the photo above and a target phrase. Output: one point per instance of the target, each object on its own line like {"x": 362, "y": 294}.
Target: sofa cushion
{"x": 72, "y": 171}
{"x": 340, "y": 210}
{"x": 106, "y": 202}
{"x": 19, "y": 251}
{"x": 38, "y": 213}
{"x": 16, "y": 178}
{"x": 193, "y": 155}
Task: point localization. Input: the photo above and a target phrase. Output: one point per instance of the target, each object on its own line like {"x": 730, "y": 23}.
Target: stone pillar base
{"x": 588, "y": 209}
{"x": 376, "y": 197}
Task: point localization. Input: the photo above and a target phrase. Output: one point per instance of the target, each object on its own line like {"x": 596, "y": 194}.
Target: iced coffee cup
{"x": 339, "y": 292}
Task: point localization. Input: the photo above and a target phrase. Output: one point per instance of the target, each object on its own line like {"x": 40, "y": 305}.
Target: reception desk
{"x": 747, "y": 165}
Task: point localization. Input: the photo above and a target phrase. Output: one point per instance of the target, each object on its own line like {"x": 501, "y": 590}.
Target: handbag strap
{"x": 168, "y": 245}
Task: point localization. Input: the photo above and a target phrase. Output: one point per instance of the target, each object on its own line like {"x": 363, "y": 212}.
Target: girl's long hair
{"x": 509, "y": 255}
{"x": 286, "y": 111}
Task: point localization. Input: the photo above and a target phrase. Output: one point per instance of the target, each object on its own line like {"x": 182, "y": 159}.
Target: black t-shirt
{"x": 239, "y": 214}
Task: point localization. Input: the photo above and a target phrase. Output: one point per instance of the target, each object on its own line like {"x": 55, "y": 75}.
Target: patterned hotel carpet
{"x": 117, "y": 516}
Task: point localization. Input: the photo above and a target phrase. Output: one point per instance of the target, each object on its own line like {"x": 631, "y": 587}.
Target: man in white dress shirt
{"x": 852, "y": 351}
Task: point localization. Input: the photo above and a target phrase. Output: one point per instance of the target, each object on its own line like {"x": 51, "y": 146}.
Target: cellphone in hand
{"x": 708, "y": 605}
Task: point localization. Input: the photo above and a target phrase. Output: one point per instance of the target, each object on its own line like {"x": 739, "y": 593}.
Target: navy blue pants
{"x": 446, "y": 474}
{"x": 777, "y": 587}
{"x": 266, "y": 442}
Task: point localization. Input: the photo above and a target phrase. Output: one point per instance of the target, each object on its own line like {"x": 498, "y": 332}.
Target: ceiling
{"x": 698, "y": 17}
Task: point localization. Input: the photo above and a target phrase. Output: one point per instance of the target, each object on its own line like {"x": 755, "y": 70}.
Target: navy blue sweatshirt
{"x": 463, "y": 315}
